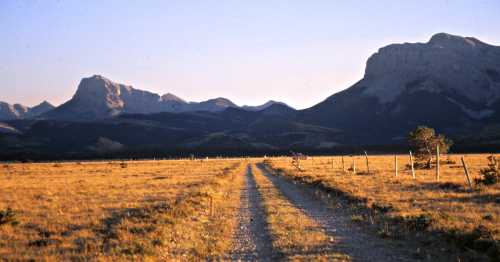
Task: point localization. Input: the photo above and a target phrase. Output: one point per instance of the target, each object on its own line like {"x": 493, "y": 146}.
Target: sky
{"x": 298, "y": 52}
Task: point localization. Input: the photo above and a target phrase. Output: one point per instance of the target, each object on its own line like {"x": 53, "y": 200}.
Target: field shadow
{"x": 437, "y": 186}
{"x": 109, "y": 225}
{"x": 476, "y": 198}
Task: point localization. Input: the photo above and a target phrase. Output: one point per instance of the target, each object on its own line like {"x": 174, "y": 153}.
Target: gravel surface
{"x": 337, "y": 223}
{"x": 252, "y": 240}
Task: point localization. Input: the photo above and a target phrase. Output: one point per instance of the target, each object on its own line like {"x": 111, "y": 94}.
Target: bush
{"x": 491, "y": 174}
{"x": 419, "y": 223}
{"x": 7, "y": 216}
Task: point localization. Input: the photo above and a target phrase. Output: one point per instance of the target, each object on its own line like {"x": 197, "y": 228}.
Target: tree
{"x": 491, "y": 174}
{"x": 424, "y": 141}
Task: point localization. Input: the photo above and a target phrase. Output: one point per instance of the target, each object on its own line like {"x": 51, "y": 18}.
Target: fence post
{"x": 412, "y": 168}
{"x": 367, "y": 164}
{"x": 466, "y": 173}
{"x": 343, "y": 166}
{"x": 353, "y": 165}
{"x": 211, "y": 206}
{"x": 396, "y": 165}
{"x": 437, "y": 163}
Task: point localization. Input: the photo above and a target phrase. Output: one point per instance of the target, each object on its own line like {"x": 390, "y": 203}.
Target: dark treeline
{"x": 224, "y": 152}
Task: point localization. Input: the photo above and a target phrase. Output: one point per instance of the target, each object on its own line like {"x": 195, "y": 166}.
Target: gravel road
{"x": 337, "y": 223}
{"x": 252, "y": 240}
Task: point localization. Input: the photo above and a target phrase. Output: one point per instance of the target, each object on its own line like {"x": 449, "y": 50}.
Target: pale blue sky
{"x": 298, "y": 52}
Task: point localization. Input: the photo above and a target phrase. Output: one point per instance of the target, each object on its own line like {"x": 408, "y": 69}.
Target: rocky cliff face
{"x": 9, "y": 112}
{"x": 450, "y": 82}
{"x": 462, "y": 68}
{"x": 98, "y": 97}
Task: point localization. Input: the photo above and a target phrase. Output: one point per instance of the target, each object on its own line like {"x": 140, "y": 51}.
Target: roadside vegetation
{"x": 171, "y": 210}
{"x": 423, "y": 207}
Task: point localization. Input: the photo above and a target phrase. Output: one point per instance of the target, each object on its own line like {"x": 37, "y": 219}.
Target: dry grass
{"x": 470, "y": 219}
{"x": 118, "y": 210}
{"x": 296, "y": 236}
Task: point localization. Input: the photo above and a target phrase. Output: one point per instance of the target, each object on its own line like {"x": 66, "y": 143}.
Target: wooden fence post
{"x": 367, "y": 164}
{"x": 343, "y": 166}
{"x": 412, "y": 167}
{"x": 353, "y": 165}
{"x": 396, "y": 165}
{"x": 211, "y": 206}
{"x": 437, "y": 163}
{"x": 466, "y": 173}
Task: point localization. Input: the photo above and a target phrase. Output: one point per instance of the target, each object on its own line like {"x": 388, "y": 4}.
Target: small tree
{"x": 424, "y": 142}
{"x": 491, "y": 174}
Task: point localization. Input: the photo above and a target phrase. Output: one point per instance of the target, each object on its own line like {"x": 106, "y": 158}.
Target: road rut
{"x": 252, "y": 240}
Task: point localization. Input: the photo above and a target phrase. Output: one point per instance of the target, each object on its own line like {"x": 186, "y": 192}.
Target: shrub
{"x": 357, "y": 218}
{"x": 7, "y": 216}
{"x": 382, "y": 208}
{"x": 491, "y": 174}
{"x": 418, "y": 223}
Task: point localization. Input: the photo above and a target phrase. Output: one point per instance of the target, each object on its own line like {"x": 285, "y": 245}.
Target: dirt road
{"x": 252, "y": 239}
{"x": 336, "y": 221}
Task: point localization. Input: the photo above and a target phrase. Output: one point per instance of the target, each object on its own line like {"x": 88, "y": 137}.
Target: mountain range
{"x": 98, "y": 98}
{"x": 451, "y": 83}
{"x": 17, "y": 111}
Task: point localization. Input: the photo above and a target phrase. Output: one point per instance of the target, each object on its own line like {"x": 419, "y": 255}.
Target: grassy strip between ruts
{"x": 401, "y": 206}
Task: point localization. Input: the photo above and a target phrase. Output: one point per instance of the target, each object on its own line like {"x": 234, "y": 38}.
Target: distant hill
{"x": 17, "y": 111}
{"x": 234, "y": 129}
{"x": 265, "y": 105}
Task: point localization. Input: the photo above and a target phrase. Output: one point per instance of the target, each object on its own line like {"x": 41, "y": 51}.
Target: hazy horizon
{"x": 290, "y": 51}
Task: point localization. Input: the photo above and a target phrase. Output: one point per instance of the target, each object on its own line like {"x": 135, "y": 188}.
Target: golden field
{"x": 119, "y": 210}
{"x": 470, "y": 219}
{"x": 187, "y": 210}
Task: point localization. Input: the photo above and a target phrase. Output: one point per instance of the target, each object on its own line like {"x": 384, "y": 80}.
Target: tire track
{"x": 252, "y": 240}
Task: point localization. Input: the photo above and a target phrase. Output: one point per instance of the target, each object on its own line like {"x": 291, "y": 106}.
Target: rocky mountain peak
{"x": 98, "y": 97}
{"x": 463, "y": 66}
{"x": 45, "y": 104}
{"x": 171, "y": 97}
{"x": 445, "y": 40}
{"x": 266, "y": 105}
{"x": 99, "y": 92}
{"x": 18, "y": 111}
{"x": 222, "y": 100}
